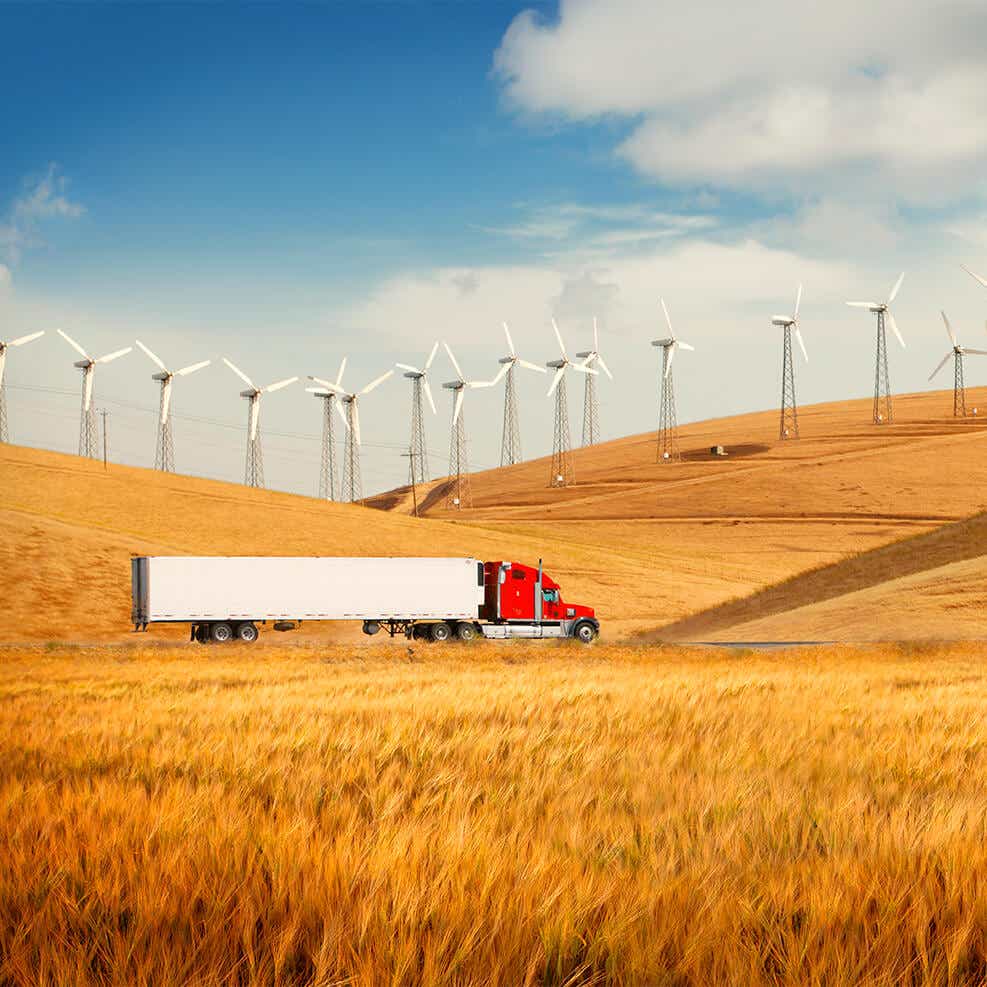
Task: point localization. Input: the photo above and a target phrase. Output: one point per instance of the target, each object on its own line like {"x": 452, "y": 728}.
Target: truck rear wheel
{"x": 440, "y": 631}
{"x": 247, "y": 632}
{"x": 584, "y": 631}
{"x": 221, "y": 632}
{"x": 466, "y": 632}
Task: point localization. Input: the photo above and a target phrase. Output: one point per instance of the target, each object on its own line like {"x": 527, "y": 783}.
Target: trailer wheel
{"x": 584, "y": 631}
{"x": 466, "y": 632}
{"x": 221, "y": 632}
{"x": 440, "y": 631}
{"x": 202, "y": 633}
{"x": 247, "y": 632}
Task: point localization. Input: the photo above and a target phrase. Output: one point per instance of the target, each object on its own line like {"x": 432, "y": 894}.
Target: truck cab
{"x": 525, "y": 601}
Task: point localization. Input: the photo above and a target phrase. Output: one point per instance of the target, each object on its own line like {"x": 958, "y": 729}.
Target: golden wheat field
{"x": 496, "y": 815}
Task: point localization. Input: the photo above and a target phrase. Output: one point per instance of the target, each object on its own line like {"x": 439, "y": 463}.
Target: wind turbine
{"x": 164, "y": 449}
{"x": 352, "y": 489}
{"x": 87, "y": 421}
{"x": 417, "y": 450}
{"x": 563, "y": 472}
{"x": 510, "y": 443}
{"x": 591, "y": 404}
{"x": 883, "y": 406}
{"x": 789, "y": 428}
{"x": 957, "y": 353}
{"x": 459, "y": 494}
{"x": 668, "y": 433}
{"x": 254, "y": 469}
{"x": 20, "y": 341}
{"x": 327, "y": 472}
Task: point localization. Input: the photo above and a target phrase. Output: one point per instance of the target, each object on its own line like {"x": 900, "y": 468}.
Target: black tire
{"x": 202, "y": 633}
{"x": 440, "y": 632}
{"x": 585, "y": 632}
{"x": 466, "y": 632}
{"x": 220, "y": 633}
{"x": 247, "y": 632}
{"x": 371, "y": 627}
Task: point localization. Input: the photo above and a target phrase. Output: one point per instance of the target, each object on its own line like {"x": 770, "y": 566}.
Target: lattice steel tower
{"x": 418, "y": 448}
{"x": 459, "y": 494}
{"x": 327, "y": 465}
{"x": 789, "y": 426}
{"x": 352, "y": 489}
{"x": 957, "y": 352}
{"x": 563, "y": 471}
{"x": 510, "y": 442}
{"x": 591, "y": 402}
{"x": 164, "y": 449}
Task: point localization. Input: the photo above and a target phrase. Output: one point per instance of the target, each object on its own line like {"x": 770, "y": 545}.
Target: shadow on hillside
{"x": 954, "y": 542}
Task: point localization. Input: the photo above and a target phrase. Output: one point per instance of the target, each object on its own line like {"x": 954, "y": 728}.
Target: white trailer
{"x": 226, "y": 597}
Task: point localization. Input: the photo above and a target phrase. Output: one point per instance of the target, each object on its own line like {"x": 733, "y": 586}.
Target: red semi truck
{"x": 225, "y": 598}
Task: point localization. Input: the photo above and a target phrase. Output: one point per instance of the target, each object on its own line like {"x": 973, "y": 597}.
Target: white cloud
{"x": 757, "y": 94}
{"x": 43, "y": 198}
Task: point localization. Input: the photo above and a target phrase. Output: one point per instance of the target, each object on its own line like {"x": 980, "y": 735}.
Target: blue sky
{"x": 287, "y": 183}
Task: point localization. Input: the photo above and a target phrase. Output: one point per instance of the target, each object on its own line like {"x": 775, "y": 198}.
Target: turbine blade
{"x": 408, "y": 366}
{"x": 458, "y": 406}
{"x": 798, "y": 300}
{"x": 558, "y": 336}
{"x": 863, "y": 304}
{"x": 668, "y": 320}
{"x": 342, "y": 414}
{"x": 897, "y": 286}
{"x": 603, "y": 366}
{"x": 68, "y": 339}
{"x": 339, "y": 376}
{"x": 114, "y": 355}
{"x": 583, "y": 367}
{"x": 165, "y": 400}
{"x": 356, "y": 420}
{"x": 894, "y": 329}
{"x": 21, "y": 340}
{"x": 685, "y": 346}
{"x": 949, "y": 328}
{"x": 428, "y": 394}
{"x": 431, "y": 356}
{"x": 555, "y": 381}
{"x": 87, "y": 387}
{"x": 941, "y": 364}
{"x": 239, "y": 372}
{"x": 376, "y": 383}
{"x": 459, "y": 372}
{"x": 977, "y": 352}
{"x": 192, "y": 368}
{"x": 254, "y": 415}
{"x": 510, "y": 342}
{"x": 532, "y": 366}
{"x": 671, "y": 357}
{"x": 277, "y": 387}
{"x": 976, "y": 277}
{"x": 504, "y": 367}
{"x": 798, "y": 336}
{"x": 151, "y": 356}
{"x": 334, "y": 388}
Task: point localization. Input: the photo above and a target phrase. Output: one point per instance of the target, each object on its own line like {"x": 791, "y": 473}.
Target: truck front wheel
{"x": 440, "y": 631}
{"x": 584, "y": 631}
{"x": 221, "y": 633}
{"x": 247, "y": 632}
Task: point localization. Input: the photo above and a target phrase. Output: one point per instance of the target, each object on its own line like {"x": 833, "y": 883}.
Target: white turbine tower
{"x": 460, "y": 494}
{"x": 789, "y": 428}
{"x": 591, "y": 403}
{"x": 253, "y": 475}
{"x": 562, "y": 469}
{"x": 883, "y": 405}
{"x": 327, "y": 470}
{"x": 510, "y": 443}
{"x": 352, "y": 489}
{"x": 20, "y": 341}
{"x": 87, "y": 421}
{"x": 164, "y": 449}
{"x": 668, "y": 435}
{"x": 957, "y": 352}
{"x": 417, "y": 448}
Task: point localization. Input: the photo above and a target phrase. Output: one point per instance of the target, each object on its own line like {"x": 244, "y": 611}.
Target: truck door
{"x": 551, "y": 604}
{"x": 517, "y": 595}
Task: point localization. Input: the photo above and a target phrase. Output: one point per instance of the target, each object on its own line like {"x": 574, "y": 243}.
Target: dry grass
{"x": 503, "y": 815}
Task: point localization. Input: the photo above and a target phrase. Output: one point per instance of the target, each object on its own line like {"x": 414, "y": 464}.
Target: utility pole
{"x": 411, "y": 455}
{"x": 104, "y": 413}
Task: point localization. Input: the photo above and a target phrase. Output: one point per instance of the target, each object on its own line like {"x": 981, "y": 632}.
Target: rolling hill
{"x": 774, "y": 538}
